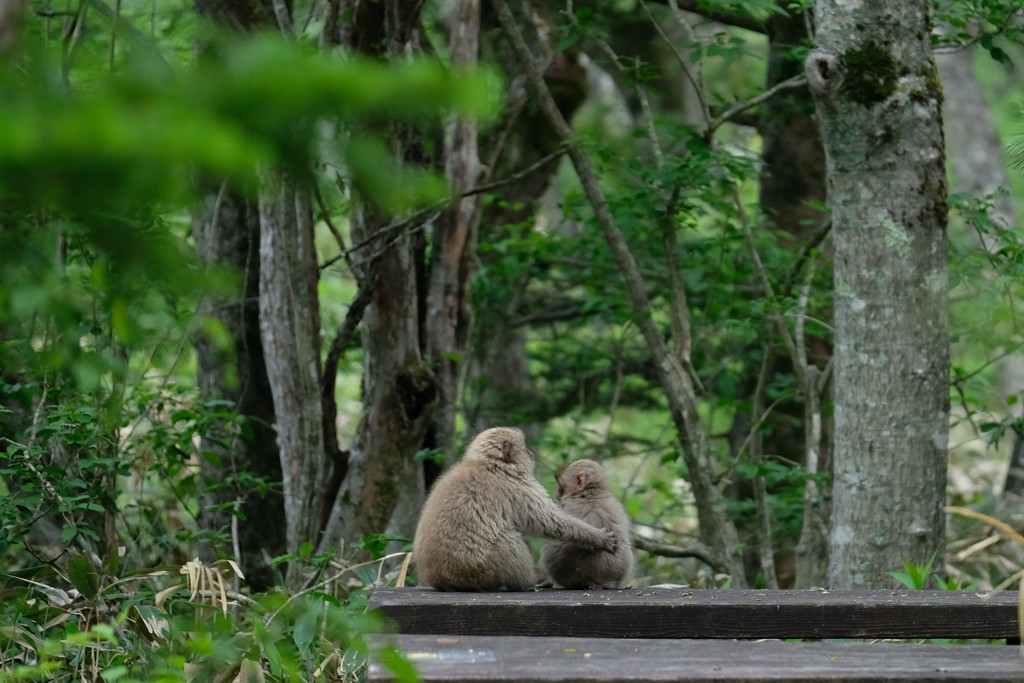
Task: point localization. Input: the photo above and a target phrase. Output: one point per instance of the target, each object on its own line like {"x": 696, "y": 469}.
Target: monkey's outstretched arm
{"x": 539, "y": 516}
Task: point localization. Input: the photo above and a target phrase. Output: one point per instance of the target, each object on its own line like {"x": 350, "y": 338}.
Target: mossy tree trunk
{"x": 879, "y": 98}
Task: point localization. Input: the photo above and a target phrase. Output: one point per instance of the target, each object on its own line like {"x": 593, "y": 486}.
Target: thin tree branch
{"x": 696, "y": 79}
{"x": 341, "y": 341}
{"x": 797, "y": 81}
{"x": 805, "y": 253}
{"x": 765, "y": 542}
{"x": 353, "y": 268}
{"x": 518, "y": 175}
{"x": 146, "y": 44}
{"x": 693, "y": 548}
{"x": 981, "y": 368}
{"x": 728, "y": 18}
{"x": 762, "y": 276}
{"x": 641, "y": 94}
{"x": 679, "y": 308}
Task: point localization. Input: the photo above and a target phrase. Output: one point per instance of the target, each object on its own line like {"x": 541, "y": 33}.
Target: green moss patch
{"x": 871, "y": 74}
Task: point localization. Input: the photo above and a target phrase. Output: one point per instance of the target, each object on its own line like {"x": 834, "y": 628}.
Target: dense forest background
{"x": 266, "y": 267}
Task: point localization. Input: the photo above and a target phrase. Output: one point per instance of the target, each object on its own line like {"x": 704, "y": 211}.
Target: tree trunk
{"x": 12, "y": 17}
{"x": 384, "y": 484}
{"x": 227, "y": 233}
{"x": 399, "y": 395}
{"x": 290, "y": 328}
{"x": 226, "y": 230}
{"x": 447, "y": 319}
{"x": 879, "y": 98}
{"x": 794, "y": 159}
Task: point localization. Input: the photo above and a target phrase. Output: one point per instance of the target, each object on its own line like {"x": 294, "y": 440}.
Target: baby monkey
{"x": 470, "y": 533}
{"x": 583, "y": 493}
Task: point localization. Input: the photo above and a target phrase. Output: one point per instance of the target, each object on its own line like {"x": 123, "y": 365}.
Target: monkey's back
{"x": 466, "y": 539}
{"x": 571, "y": 566}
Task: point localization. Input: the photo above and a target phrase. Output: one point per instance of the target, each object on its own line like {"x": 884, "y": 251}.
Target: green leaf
{"x": 904, "y": 579}
{"x": 395, "y": 661}
{"x": 353, "y": 661}
{"x": 83, "y": 575}
{"x": 306, "y": 626}
{"x": 115, "y": 672}
{"x": 568, "y": 41}
{"x": 1000, "y": 56}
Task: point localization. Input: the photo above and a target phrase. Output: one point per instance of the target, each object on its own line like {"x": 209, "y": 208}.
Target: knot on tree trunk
{"x": 417, "y": 389}
{"x": 823, "y": 72}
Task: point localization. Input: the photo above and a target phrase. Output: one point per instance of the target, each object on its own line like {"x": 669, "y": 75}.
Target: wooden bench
{"x": 670, "y": 634}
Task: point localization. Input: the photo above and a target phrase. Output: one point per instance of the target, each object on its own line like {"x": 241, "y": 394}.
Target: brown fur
{"x": 583, "y": 493}
{"x": 470, "y": 533}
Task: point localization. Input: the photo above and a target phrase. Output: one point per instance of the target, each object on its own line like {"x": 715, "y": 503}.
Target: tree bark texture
{"x": 12, "y": 17}
{"x": 226, "y": 230}
{"x": 384, "y": 484}
{"x": 290, "y": 330}
{"x": 399, "y": 394}
{"x": 716, "y": 529}
{"x": 227, "y": 233}
{"x": 448, "y": 314}
{"x": 879, "y": 100}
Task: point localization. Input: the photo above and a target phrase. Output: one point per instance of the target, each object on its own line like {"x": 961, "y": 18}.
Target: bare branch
{"x": 692, "y": 548}
{"x": 797, "y": 81}
{"x": 805, "y": 253}
{"x": 540, "y": 163}
{"x": 765, "y": 544}
{"x": 342, "y": 340}
{"x": 679, "y": 308}
{"x": 762, "y": 276}
{"x": 729, "y": 19}
{"x": 696, "y": 79}
{"x": 356, "y": 271}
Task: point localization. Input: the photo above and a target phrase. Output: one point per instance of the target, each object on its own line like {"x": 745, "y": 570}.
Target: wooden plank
{"x": 520, "y": 658}
{"x": 684, "y": 613}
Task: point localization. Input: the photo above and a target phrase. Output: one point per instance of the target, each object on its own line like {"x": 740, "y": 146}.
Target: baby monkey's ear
{"x": 581, "y": 480}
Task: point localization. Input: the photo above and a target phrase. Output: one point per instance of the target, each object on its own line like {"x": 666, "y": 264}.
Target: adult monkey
{"x": 470, "y": 533}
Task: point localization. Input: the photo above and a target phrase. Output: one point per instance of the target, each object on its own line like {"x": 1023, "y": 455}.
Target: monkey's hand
{"x": 611, "y": 541}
